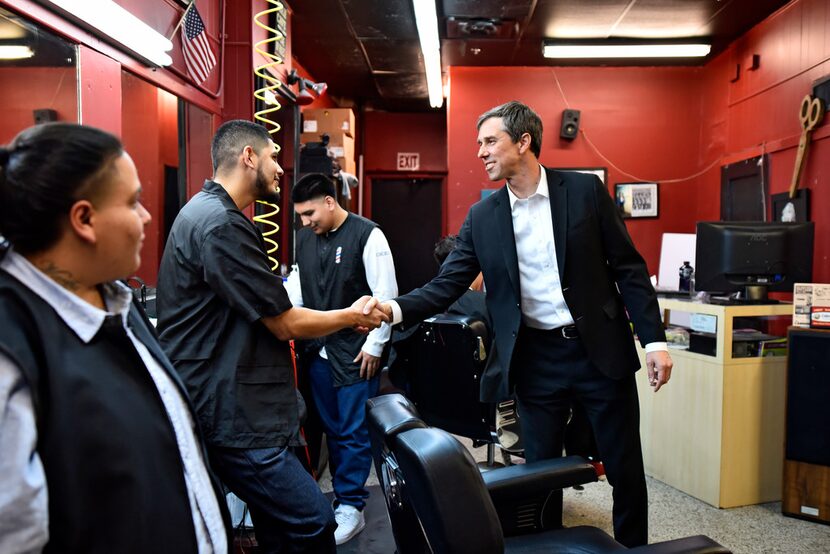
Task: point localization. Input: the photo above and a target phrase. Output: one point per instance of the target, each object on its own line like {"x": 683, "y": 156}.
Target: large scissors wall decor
{"x": 810, "y": 114}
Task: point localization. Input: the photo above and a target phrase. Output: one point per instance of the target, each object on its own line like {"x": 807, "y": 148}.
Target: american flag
{"x": 197, "y": 54}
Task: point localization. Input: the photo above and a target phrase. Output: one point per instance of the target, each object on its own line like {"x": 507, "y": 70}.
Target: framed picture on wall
{"x": 598, "y": 171}
{"x": 636, "y": 199}
{"x": 788, "y": 209}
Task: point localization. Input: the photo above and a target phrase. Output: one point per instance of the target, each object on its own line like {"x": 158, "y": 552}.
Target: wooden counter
{"x": 716, "y": 431}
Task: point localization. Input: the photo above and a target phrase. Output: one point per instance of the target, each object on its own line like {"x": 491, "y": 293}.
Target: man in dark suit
{"x": 564, "y": 282}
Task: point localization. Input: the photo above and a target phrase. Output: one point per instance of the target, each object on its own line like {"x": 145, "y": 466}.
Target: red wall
{"x": 640, "y": 123}
{"x": 200, "y": 126}
{"x": 46, "y": 87}
{"x": 144, "y": 115}
{"x": 758, "y": 113}
{"x": 386, "y": 134}
{"x": 100, "y": 90}
{"x": 665, "y": 124}
{"x": 150, "y": 128}
{"x": 390, "y": 133}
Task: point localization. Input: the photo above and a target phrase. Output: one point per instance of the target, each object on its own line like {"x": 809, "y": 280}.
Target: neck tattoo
{"x": 61, "y": 276}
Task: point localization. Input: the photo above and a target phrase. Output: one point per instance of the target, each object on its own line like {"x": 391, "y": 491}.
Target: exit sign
{"x": 409, "y": 161}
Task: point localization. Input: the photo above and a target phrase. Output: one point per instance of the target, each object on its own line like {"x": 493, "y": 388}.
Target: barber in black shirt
{"x": 220, "y": 308}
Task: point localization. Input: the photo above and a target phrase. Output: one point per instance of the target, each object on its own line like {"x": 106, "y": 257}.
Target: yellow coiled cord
{"x": 268, "y": 97}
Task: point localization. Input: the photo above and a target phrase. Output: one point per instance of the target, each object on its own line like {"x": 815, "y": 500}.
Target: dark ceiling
{"x": 368, "y": 50}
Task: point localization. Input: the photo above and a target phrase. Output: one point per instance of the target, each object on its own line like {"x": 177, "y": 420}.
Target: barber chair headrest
{"x": 449, "y": 496}
{"x": 391, "y": 414}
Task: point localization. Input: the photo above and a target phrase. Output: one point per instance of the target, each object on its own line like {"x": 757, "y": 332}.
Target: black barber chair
{"x": 455, "y": 508}
{"x": 521, "y": 494}
{"x": 387, "y": 416}
{"x": 453, "y": 352}
{"x": 439, "y": 502}
{"x": 444, "y": 378}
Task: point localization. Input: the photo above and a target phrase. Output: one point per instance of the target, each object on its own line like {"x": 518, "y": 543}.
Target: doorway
{"x": 409, "y": 212}
{"x": 744, "y": 190}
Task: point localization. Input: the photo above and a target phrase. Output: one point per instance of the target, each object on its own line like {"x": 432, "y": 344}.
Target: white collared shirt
{"x": 543, "y": 305}
{"x": 19, "y": 436}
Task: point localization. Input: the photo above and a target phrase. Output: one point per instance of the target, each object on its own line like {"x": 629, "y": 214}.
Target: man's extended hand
{"x": 659, "y": 366}
{"x": 384, "y": 307}
{"x": 369, "y": 365}
{"x": 367, "y": 314}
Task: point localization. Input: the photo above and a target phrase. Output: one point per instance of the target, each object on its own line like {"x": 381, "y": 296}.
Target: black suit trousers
{"x": 550, "y": 372}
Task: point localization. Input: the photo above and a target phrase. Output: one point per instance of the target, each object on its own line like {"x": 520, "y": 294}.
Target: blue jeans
{"x": 343, "y": 415}
{"x": 288, "y": 511}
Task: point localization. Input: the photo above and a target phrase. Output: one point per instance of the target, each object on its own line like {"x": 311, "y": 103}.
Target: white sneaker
{"x": 350, "y": 522}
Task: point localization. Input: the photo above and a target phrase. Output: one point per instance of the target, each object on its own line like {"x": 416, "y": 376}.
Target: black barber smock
{"x": 214, "y": 286}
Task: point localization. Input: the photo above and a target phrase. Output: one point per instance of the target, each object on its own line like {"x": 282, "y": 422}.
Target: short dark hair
{"x": 443, "y": 248}
{"x": 43, "y": 172}
{"x": 231, "y": 137}
{"x": 517, "y": 119}
{"x": 312, "y": 187}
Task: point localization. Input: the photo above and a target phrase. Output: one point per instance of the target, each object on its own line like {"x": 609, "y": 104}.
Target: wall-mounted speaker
{"x": 570, "y": 124}
{"x": 44, "y": 116}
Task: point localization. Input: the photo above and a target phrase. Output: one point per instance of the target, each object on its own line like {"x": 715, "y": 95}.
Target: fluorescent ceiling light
{"x": 427, "y": 22}
{"x": 625, "y": 50}
{"x": 15, "y": 52}
{"x": 123, "y": 27}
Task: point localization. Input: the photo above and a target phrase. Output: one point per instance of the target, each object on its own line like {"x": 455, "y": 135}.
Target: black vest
{"x": 113, "y": 470}
{"x": 332, "y": 276}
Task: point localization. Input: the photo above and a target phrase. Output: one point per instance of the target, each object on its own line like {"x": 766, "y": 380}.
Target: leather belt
{"x": 569, "y": 332}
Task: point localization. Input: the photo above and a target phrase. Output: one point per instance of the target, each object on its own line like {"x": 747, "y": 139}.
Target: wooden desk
{"x": 716, "y": 431}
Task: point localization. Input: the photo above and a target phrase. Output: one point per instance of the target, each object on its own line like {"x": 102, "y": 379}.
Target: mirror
{"x": 38, "y": 76}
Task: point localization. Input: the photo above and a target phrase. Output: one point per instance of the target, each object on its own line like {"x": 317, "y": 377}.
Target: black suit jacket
{"x": 601, "y": 272}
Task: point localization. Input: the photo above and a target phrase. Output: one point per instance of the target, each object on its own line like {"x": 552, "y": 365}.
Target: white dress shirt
{"x": 543, "y": 305}
{"x": 23, "y": 487}
{"x": 380, "y": 275}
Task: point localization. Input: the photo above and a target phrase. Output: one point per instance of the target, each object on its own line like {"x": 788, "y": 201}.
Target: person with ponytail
{"x": 100, "y": 449}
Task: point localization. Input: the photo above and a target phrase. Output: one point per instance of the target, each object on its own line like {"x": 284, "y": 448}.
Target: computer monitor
{"x": 753, "y": 257}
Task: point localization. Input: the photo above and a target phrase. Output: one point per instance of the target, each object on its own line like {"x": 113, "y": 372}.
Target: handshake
{"x": 368, "y": 313}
